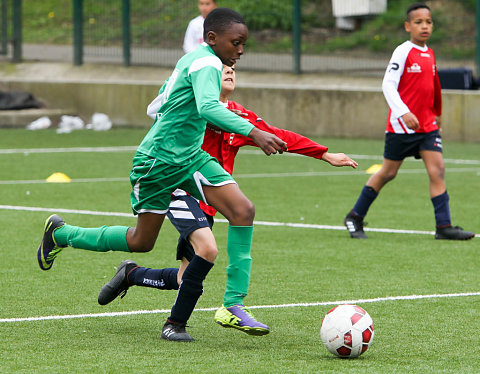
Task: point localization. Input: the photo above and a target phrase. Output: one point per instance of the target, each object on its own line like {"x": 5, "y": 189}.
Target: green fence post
{"x": 17, "y": 30}
{"x": 297, "y": 36}
{"x": 4, "y": 30}
{"x": 77, "y": 32}
{"x": 477, "y": 39}
{"x": 126, "y": 31}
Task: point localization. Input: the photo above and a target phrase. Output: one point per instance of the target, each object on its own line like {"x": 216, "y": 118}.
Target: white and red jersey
{"x": 224, "y": 146}
{"x": 411, "y": 84}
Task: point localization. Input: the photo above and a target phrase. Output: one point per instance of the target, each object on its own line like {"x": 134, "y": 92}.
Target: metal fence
{"x": 150, "y": 32}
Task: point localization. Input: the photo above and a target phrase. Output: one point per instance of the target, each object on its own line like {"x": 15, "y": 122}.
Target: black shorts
{"x": 186, "y": 215}
{"x": 399, "y": 146}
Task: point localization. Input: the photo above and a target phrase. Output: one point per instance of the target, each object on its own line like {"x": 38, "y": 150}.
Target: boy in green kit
{"x": 170, "y": 157}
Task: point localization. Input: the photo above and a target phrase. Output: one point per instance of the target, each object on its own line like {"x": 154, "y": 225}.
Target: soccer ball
{"x": 347, "y": 331}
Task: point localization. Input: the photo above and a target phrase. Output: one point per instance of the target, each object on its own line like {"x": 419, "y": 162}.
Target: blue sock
{"x": 366, "y": 198}
{"x": 442, "y": 210}
{"x": 190, "y": 290}
{"x": 163, "y": 279}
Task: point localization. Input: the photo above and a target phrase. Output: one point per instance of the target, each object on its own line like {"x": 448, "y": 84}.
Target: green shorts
{"x": 153, "y": 181}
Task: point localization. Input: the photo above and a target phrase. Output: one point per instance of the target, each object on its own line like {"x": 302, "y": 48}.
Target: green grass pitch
{"x": 312, "y": 265}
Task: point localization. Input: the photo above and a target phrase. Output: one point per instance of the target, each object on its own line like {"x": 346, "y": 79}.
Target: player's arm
{"x": 206, "y": 85}
{"x": 296, "y": 143}
{"x": 390, "y": 84}
{"x": 302, "y": 145}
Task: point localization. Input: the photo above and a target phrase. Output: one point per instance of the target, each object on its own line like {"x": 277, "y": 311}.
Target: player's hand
{"x": 238, "y": 112}
{"x": 411, "y": 120}
{"x": 339, "y": 159}
{"x": 438, "y": 119}
{"x": 269, "y": 143}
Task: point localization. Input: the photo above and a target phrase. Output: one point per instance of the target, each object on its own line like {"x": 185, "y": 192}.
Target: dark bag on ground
{"x": 457, "y": 79}
{"x": 18, "y": 100}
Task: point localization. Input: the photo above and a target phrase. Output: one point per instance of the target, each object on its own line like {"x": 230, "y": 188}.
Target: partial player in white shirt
{"x": 413, "y": 93}
{"x": 194, "y": 34}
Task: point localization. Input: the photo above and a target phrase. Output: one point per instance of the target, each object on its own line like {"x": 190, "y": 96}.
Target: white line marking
{"x": 60, "y": 210}
{"x": 259, "y": 223}
{"x": 239, "y": 176}
{"x": 80, "y": 180}
{"x": 159, "y": 311}
{"x": 346, "y": 173}
{"x": 367, "y": 157}
{"x": 127, "y": 148}
{"x": 130, "y": 148}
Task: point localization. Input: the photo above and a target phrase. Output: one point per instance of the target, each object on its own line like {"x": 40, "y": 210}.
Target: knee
{"x": 140, "y": 246}
{"x": 209, "y": 252}
{"x": 243, "y": 215}
{"x": 388, "y": 176}
{"x": 440, "y": 173}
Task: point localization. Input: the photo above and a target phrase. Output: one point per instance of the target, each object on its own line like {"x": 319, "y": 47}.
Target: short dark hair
{"x": 220, "y": 19}
{"x": 416, "y": 6}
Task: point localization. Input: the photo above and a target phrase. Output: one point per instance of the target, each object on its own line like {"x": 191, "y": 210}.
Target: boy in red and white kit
{"x": 194, "y": 220}
{"x": 412, "y": 89}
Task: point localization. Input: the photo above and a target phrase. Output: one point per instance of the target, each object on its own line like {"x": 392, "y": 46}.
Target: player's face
{"x": 206, "y": 6}
{"x": 228, "y": 80}
{"x": 229, "y": 44}
{"x": 420, "y": 26}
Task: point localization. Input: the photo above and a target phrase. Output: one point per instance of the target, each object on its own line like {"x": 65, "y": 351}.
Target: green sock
{"x": 239, "y": 266}
{"x": 101, "y": 239}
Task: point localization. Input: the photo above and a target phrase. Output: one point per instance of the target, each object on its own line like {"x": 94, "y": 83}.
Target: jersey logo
{"x": 393, "y": 66}
{"x": 423, "y": 54}
{"x": 415, "y": 68}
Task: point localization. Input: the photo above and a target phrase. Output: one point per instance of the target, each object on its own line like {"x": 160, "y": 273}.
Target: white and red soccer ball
{"x": 347, "y": 331}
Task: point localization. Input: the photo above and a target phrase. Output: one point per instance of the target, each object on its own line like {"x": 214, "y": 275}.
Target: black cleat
{"x": 117, "y": 284}
{"x": 175, "y": 332}
{"x": 354, "y": 225}
{"x": 49, "y": 249}
{"x": 453, "y": 233}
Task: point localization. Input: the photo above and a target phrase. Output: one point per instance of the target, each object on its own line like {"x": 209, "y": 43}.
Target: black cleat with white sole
{"x": 175, "y": 332}
{"x": 354, "y": 225}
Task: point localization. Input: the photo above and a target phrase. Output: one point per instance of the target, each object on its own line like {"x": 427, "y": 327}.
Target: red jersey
{"x": 411, "y": 84}
{"x": 224, "y": 146}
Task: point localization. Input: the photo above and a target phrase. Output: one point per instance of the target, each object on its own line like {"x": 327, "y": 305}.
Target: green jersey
{"x": 186, "y": 102}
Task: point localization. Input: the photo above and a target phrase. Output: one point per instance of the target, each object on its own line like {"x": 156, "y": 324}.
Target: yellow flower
{"x": 51, "y": 14}
{"x": 91, "y": 21}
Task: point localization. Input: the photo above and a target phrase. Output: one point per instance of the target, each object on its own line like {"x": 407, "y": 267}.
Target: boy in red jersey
{"x": 412, "y": 89}
{"x": 191, "y": 217}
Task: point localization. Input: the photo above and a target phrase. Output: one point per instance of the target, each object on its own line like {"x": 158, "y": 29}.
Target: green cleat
{"x": 240, "y": 318}
{"x": 49, "y": 249}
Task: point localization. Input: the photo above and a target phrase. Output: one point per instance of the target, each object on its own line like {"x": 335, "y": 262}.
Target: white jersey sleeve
{"x": 392, "y": 78}
{"x": 155, "y": 105}
{"x": 193, "y": 35}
